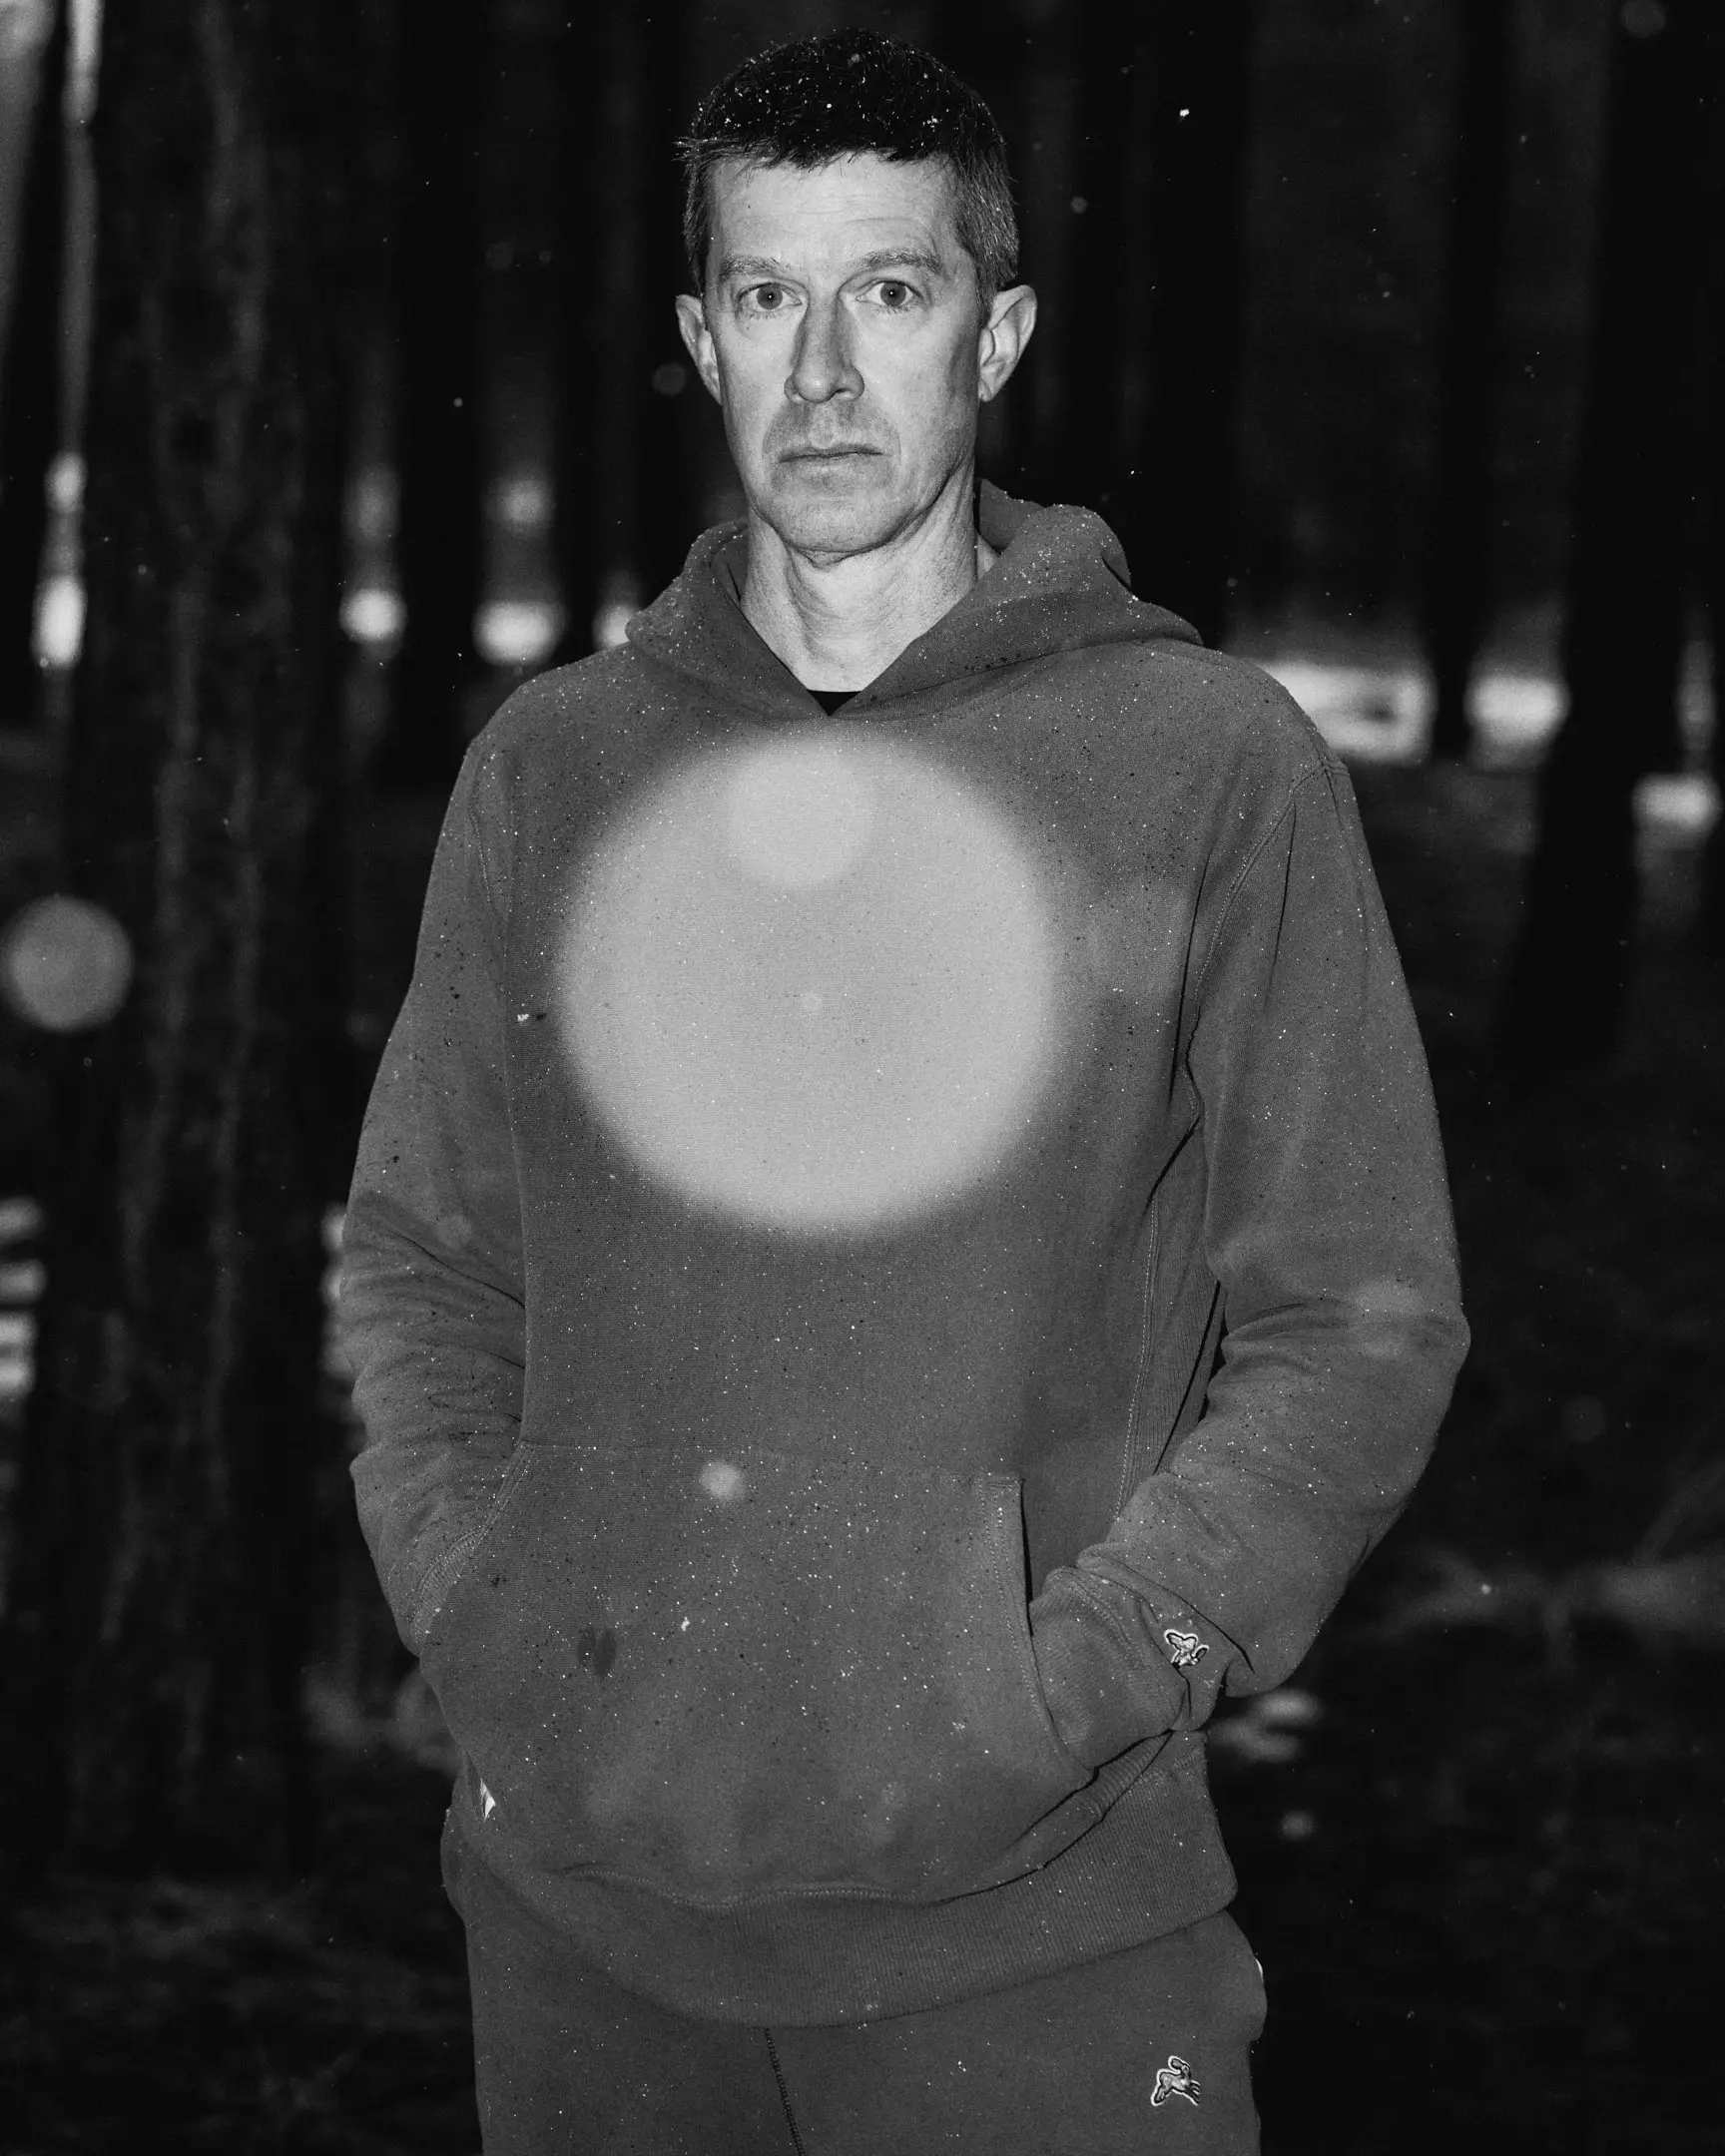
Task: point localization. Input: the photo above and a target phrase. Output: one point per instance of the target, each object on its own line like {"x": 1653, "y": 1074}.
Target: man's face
{"x": 845, "y": 336}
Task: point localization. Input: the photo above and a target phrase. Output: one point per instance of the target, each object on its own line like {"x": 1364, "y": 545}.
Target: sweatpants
{"x": 1142, "y": 2053}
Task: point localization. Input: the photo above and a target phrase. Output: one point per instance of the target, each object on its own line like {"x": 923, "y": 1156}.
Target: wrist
{"x": 1095, "y": 1695}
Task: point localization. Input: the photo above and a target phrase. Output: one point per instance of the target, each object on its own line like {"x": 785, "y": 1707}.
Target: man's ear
{"x": 1005, "y": 333}
{"x": 691, "y": 321}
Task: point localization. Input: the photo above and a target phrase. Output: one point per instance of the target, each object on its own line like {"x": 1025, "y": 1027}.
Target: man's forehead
{"x": 851, "y": 209}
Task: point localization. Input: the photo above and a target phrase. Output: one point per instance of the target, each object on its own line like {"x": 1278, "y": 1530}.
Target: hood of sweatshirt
{"x": 1060, "y": 584}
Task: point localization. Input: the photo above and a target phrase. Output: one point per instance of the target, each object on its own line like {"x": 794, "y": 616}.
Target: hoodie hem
{"x": 1153, "y": 1864}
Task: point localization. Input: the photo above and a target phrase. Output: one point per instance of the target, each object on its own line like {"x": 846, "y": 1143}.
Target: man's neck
{"x": 838, "y": 622}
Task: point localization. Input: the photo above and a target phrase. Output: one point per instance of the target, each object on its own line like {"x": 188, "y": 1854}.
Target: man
{"x": 899, "y": 1248}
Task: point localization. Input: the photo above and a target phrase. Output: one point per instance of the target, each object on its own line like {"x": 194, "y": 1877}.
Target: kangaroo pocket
{"x": 731, "y": 1676}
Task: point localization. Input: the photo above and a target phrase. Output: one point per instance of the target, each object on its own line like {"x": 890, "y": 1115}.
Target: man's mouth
{"x": 812, "y": 455}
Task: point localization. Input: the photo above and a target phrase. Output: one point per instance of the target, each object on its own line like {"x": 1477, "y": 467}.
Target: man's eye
{"x": 765, "y": 298}
{"x": 895, "y": 296}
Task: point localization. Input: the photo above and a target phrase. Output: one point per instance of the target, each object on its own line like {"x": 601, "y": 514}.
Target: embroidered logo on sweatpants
{"x": 1174, "y": 2079}
{"x": 1184, "y": 1648}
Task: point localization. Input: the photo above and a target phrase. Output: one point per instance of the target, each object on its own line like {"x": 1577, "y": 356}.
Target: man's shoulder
{"x": 557, "y": 710}
{"x": 1218, "y": 719}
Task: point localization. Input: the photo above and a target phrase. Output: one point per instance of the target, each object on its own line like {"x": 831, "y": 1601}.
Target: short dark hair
{"x": 845, "y": 93}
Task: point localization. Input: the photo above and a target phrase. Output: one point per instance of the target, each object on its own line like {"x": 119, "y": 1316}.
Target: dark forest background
{"x": 340, "y": 390}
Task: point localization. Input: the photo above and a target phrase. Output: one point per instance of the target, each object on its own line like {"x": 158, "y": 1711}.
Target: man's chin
{"x": 822, "y": 519}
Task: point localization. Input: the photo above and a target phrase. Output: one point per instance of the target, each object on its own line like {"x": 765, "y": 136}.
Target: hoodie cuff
{"x": 1103, "y": 1699}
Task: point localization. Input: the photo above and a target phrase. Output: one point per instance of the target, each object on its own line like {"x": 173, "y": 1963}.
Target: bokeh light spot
{"x": 798, "y": 814}
{"x": 65, "y": 965}
{"x": 722, "y": 1481}
{"x": 816, "y": 985}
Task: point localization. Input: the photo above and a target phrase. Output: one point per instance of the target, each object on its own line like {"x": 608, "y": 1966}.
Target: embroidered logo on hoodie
{"x": 1174, "y": 2079}
{"x": 1185, "y": 1649}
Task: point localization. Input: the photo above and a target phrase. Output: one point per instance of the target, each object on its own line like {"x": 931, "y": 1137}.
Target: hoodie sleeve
{"x": 430, "y": 1297}
{"x": 1327, "y": 1229}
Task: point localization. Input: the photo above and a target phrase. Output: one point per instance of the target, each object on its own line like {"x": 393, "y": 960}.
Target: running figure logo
{"x": 1184, "y": 1648}
{"x": 1174, "y": 2079}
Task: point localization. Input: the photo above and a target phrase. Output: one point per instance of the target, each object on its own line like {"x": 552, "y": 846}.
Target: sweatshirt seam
{"x": 479, "y": 838}
{"x": 1009, "y": 1575}
{"x": 783, "y": 2093}
{"x": 500, "y": 927}
{"x": 1129, "y": 1455}
{"x": 446, "y": 1573}
{"x": 1246, "y": 871}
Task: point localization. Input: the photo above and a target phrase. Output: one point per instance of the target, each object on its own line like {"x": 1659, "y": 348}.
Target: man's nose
{"x": 822, "y": 366}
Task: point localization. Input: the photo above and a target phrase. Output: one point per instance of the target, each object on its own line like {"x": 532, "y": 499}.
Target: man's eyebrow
{"x": 903, "y": 259}
{"x": 764, "y": 265}
{"x": 751, "y": 266}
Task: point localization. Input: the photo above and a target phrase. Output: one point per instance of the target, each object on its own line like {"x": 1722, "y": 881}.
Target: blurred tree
{"x": 1458, "y": 554}
{"x": 30, "y": 431}
{"x": 664, "y": 384}
{"x": 1022, "y": 59}
{"x": 626, "y": 510}
{"x": 1711, "y": 228}
{"x": 444, "y": 82}
{"x": 1156, "y": 293}
{"x": 160, "y": 1589}
{"x": 1631, "y": 577}
{"x": 578, "y": 324}
{"x": 1090, "y": 458}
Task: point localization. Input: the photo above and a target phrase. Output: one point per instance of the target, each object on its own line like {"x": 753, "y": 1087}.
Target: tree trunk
{"x": 577, "y": 530}
{"x": 1157, "y": 298}
{"x": 666, "y": 386}
{"x": 1711, "y": 223}
{"x": 1042, "y": 112}
{"x": 625, "y": 509}
{"x": 444, "y": 83}
{"x": 1114, "y": 266}
{"x": 1458, "y": 592}
{"x": 1632, "y": 572}
{"x": 30, "y": 388}
{"x": 151, "y": 1661}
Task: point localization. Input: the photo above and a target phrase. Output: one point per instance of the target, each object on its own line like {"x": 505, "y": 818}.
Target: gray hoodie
{"x": 893, "y": 1260}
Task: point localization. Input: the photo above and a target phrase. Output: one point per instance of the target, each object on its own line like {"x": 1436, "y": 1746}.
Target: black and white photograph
{"x": 861, "y": 1077}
